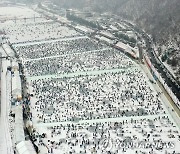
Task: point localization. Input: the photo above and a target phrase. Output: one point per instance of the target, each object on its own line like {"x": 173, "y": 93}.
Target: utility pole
{"x": 34, "y": 17}
{"x": 15, "y": 19}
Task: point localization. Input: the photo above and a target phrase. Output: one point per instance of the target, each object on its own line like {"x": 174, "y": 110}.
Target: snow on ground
{"x": 124, "y": 136}
{"x": 86, "y": 95}
{"x": 84, "y": 115}
{"x": 37, "y": 31}
{"x": 77, "y": 62}
{"x": 95, "y": 96}
{"x": 18, "y": 12}
{"x": 88, "y": 98}
{"x": 170, "y": 69}
{"x": 6, "y": 128}
{"x": 57, "y": 47}
{"x": 21, "y": 24}
{"x": 26, "y": 21}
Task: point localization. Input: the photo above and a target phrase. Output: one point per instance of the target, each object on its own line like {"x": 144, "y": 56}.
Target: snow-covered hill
{"x": 159, "y": 18}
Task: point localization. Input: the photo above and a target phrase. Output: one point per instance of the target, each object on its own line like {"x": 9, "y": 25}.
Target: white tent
{"x": 8, "y": 50}
{"x": 25, "y": 147}
{"x": 15, "y": 66}
{"x": 19, "y": 130}
{"x": 0, "y": 39}
{"x": 16, "y": 86}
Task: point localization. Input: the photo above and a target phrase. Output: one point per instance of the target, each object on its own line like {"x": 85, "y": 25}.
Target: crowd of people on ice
{"x": 56, "y": 48}
{"x": 136, "y": 136}
{"x": 102, "y": 96}
{"x": 35, "y": 31}
{"x": 78, "y": 62}
{"x": 109, "y": 95}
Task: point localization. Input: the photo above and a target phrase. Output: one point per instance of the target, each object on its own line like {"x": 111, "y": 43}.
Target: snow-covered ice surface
{"x": 97, "y": 107}
{"x": 96, "y": 95}
{"x": 78, "y": 62}
{"x": 81, "y": 138}
{"x": 56, "y": 48}
{"x": 31, "y": 20}
{"x": 21, "y": 24}
{"x": 16, "y": 12}
{"x": 37, "y": 31}
{"x": 89, "y": 98}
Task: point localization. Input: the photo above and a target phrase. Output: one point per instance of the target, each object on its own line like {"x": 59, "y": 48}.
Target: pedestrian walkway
{"x": 168, "y": 103}
{"x": 3, "y": 53}
{"x": 48, "y": 41}
{"x": 95, "y": 72}
{"x": 5, "y": 137}
{"x": 119, "y": 119}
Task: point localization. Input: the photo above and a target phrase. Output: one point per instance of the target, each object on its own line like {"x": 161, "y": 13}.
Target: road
{"x": 165, "y": 74}
{"x": 168, "y": 103}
